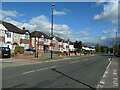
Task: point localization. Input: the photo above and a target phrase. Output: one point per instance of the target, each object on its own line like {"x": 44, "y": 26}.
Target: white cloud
{"x": 110, "y": 12}
{"x": 11, "y": 13}
{"x": 85, "y": 32}
{"x": 103, "y": 38}
{"x": 110, "y": 31}
{"x": 58, "y": 13}
{"x": 42, "y": 23}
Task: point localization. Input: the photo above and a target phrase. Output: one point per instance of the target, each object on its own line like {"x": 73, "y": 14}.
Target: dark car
{"x": 30, "y": 51}
{"x": 5, "y": 52}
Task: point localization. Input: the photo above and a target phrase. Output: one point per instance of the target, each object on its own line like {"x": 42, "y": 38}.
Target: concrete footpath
{"x": 110, "y": 76}
{"x": 15, "y": 62}
{"x": 12, "y": 62}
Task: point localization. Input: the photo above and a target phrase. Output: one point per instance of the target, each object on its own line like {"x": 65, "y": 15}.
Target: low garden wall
{"x": 24, "y": 56}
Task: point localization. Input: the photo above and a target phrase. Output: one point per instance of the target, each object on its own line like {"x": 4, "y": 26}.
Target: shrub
{"x": 19, "y": 49}
{"x": 16, "y": 50}
{"x": 56, "y": 52}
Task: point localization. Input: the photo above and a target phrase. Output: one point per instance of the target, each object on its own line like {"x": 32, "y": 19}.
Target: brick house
{"x": 10, "y": 35}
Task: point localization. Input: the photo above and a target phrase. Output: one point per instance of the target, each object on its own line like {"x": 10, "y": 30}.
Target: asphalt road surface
{"x": 84, "y": 72}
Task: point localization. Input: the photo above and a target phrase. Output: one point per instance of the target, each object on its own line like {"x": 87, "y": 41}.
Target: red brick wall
{"x": 61, "y": 46}
{"x": 52, "y": 44}
{"x": 24, "y": 56}
{"x": 67, "y": 46}
{"x": 2, "y": 38}
{"x": 25, "y": 41}
{"x": 40, "y": 43}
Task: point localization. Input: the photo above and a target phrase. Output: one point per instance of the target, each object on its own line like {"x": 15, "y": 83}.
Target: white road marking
{"x": 115, "y": 81}
{"x": 74, "y": 62}
{"x": 86, "y": 59}
{"x": 102, "y": 81}
{"x": 104, "y": 75}
{"x": 109, "y": 64}
{"x": 106, "y": 72}
{"x": 79, "y": 61}
{"x": 109, "y": 59}
{"x": 114, "y": 72}
{"x": 100, "y": 86}
{"x": 31, "y": 63}
{"x": 28, "y": 72}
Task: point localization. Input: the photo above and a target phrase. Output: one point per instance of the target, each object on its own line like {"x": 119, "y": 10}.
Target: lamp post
{"x": 69, "y": 46}
{"x": 52, "y": 28}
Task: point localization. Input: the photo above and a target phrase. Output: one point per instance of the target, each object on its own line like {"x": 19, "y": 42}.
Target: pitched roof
{"x": 58, "y": 38}
{"x": 12, "y": 28}
{"x": 71, "y": 43}
{"x": 39, "y": 34}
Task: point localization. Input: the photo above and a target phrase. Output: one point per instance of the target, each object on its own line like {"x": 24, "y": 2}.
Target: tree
{"x": 104, "y": 49}
{"x": 78, "y": 46}
{"x": 116, "y": 49}
{"x": 98, "y": 48}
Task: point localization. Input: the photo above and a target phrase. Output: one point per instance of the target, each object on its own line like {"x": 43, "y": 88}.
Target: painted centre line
{"x": 86, "y": 59}
{"x": 79, "y": 61}
{"x": 32, "y": 71}
{"x": 74, "y": 62}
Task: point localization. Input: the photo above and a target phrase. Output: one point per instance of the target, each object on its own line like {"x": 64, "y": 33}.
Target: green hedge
{"x": 19, "y": 49}
{"x": 56, "y": 52}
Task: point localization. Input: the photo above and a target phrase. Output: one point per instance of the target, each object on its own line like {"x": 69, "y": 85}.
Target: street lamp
{"x": 69, "y": 46}
{"x": 52, "y": 28}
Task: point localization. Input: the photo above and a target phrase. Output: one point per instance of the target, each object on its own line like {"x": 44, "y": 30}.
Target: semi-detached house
{"x": 10, "y": 36}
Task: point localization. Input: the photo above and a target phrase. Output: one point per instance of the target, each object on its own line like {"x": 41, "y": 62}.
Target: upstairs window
{"x": 26, "y": 36}
{"x": 8, "y": 34}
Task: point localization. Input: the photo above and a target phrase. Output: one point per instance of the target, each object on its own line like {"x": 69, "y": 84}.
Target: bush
{"x": 19, "y": 49}
{"x": 16, "y": 50}
{"x": 56, "y": 52}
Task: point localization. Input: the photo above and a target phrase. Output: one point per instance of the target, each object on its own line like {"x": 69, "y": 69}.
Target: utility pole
{"x": 116, "y": 37}
{"x": 52, "y": 28}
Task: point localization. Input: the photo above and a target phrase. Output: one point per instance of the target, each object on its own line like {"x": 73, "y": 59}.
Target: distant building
{"x": 88, "y": 48}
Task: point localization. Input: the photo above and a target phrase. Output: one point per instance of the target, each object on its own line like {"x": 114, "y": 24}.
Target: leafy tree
{"x": 111, "y": 50}
{"x": 78, "y": 46}
{"x": 98, "y": 48}
{"x": 116, "y": 49}
{"x": 104, "y": 49}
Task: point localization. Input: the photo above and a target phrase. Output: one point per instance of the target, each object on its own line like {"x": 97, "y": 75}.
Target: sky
{"x": 89, "y": 22}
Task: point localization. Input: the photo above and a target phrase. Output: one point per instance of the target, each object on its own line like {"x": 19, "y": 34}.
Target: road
{"x": 87, "y": 70}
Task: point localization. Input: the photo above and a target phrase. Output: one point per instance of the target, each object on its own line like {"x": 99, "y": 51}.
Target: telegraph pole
{"x": 52, "y": 28}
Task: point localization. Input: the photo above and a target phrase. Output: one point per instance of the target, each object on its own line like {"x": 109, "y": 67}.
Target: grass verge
{"x": 54, "y": 58}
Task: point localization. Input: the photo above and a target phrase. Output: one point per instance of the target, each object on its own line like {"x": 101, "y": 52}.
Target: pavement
{"x": 83, "y": 72}
{"x": 110, "y": 76}
{"x": 8, "y": 62}
{"x": 12, "y": 62}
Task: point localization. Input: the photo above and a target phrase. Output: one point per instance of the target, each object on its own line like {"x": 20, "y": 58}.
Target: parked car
{"x": 30, "y": 51}
{"x": 5, "y": 52}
